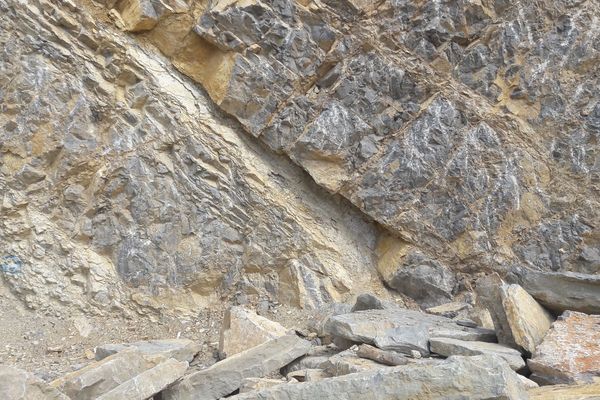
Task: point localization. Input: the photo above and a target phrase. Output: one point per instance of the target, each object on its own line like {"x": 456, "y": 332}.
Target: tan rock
{"x": 100, "y": 377}
{"x": 527, "y": 383}
{"x": 138, "y": 15}
{"x": 16, "y": 384}
{"x": 149, "y": 382}
{"x": 566, "y": 392}
{"x": 243, "y": 329}
{"x": 308, "y": 375}
{"x": 570, "y": 352}
{"x": 252, "y": 384}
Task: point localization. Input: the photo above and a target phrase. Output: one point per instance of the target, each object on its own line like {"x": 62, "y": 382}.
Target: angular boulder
{"x": 225, "y": 377}
{"x": 96, "y": 379}
{"x": 457, "y": 378}
{"x": 570, "y": 352}
{"x": 16, "y": 384}
{"x": 561, "y": 291}
{"x": 452, "y": 347}
{"x": 520, "y": 321}
{"x": 179, "y": 349}
{"x": 398, "y": 330}
{"x": 149, "y": 382}
{"x": 138, "y": 15}
{"x": 243, "y": 329}
{"x": 368, "y": 301}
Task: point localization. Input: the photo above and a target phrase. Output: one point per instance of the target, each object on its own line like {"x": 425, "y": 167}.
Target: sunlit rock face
{"x": 468, "y": 129}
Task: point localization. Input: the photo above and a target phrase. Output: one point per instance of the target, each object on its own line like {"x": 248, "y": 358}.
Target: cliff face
{"x": 468, "y": 129}
{"x": 404, "y": 139}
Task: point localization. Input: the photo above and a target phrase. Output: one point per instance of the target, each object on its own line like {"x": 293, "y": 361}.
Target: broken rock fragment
{"x": 478, "y": 377}
{"x": 570, "y": 352}
{"x": 450, "y": 347}
{"x": 226, "y": 376}
{"x": 16, "y": 384}
{"x": 179, "y": 349}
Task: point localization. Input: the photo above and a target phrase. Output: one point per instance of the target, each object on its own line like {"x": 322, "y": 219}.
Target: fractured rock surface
{"x": 179, "y": 349}
{"x": 450, "y": 347}
{"x": 16, "y": 384}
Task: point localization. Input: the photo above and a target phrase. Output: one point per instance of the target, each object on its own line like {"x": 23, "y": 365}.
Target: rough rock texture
{"x": 468, "y": 129}
{"x": 452, "y": 347}
{"x": 179, "y": 349}
{"x": 16, "y": 384}
{"x": 561, "y": 291}
{"x": 226, "y": 376}
{"x": 479, "y": 377}
{"x": 566, "y": 392}
{"x": 149, "y": 382}
{"x": 118, "y": 173}
{"x": 398, "y": 330}
{"x": 243, "y": 329}
{"x": 570, "y": 352}
{"x": 520, "y": 321}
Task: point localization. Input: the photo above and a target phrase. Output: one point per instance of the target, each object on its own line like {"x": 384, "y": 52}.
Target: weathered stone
{"x": 570, "y": 351}
{"x": 316, "y": 358}
{"x": 561, "y": 291}
{"x": 100, "y": 377}
{"x": 348, "y": 362}
{"x": 382, "y": 356}
{"x": 528, "y": 383}
{"x": 398, "y": 330}
{"x": 243, "y": 329}
{"x": 519, "y": 320}
{"x": 149, "y": 382}
{"x": 138, "y": 15}
{"x": 16, "y": 384}
{"x": 226, "y": 376}
{"x": 179, "y": 349}
{"x": 448, "y": 310}
{"x": 252, "y": 384}
{"x": 451, "y": 347}
{"x": 566, "y": 392}
{"x": 368, "y": 301}
{"x": 478, "y": 377}
{"x": 308, "y": 375}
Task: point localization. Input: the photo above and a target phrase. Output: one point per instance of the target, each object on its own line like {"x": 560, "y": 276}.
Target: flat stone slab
{"x": 451, "y": 347}
{"x": 457, "y": 378}
{"x": 561, "y": 291}
{"x": 149, "y": 382}
{"x": 398, "y": 330}
{"x": 570, "y": 352}
{"x": 566, "y": 392}
{"x": 179, "y": 349}
{"x": 226, "y": 376}
{"x": 16, "y": 384}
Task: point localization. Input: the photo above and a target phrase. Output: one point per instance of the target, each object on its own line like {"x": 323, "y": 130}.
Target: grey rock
{"x": 16, "y": 384}
{"x": 560, "y": 291}
{"x": 179, "y": 349}
{"x": 348, "y": 362}
{"x": 149, "y": 382}
{"x": 316, "y": 358}
{"x": 368, "y": 301}
{"x": 399, "y": 330}
{"x": 226, "y": 376}
{"x": 478, "y": 377}
{"x": 450, "y": 347}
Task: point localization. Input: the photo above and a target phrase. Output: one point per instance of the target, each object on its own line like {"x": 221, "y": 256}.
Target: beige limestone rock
{"x": 253, "y": 384}
{"x": 100, "y": 377}
{"x": 527, "y": 383}
{"x": 450, "y": 347}
{"x": 566, "y": 392}
{"x": 226, "y": 376}
{"x": 570, "y": 351}
{"x": 179, "y": 349}
{"x": 16, "y": 384}
{"x": 138, "y": 15}
{"x": 243, "y": 329}
{"x": 478, "y": 377}
{"x": 149, "y": 382}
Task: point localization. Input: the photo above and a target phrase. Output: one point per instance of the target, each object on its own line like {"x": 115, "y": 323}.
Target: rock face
{"x": 570, "y": 352}
{"x": 16, "y": 384}
{"x": 451, "y": 347}
{"x": 118, "y": 173}
{"x": 480, "y": 377}
{"x": 226, "y": 376}
{"x": 148, "y": 383}
{"x": 442, "y": 121}
{"x": 561, "y": 291}
{"x": 243, "y": 329}
{"x": 179, "y": 349}
{"x": 398, "y": 330}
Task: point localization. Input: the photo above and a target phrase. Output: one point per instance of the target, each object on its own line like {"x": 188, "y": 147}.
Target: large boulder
{"x": 179, "y": 349}
{"x": 149, "y": 382}
{"x": 225, "y": 377}
{"x": 457, "y": 378}
{"x": 399, "y": 330}
{"x": 570, "y": 352}
{"x": 451, "y": 347}
{"x": 243, "y": 329}
{"x": 16, "y": 384}
{"x": 561, "y": 291}
{"x": 519, "y": 320}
